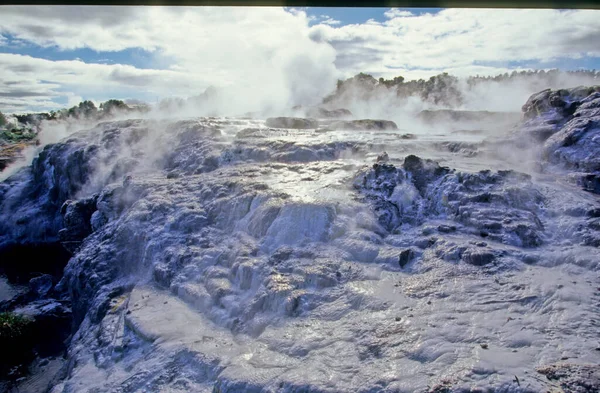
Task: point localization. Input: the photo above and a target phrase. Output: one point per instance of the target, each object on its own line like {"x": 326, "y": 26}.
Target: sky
{"x": 54, "y": 57}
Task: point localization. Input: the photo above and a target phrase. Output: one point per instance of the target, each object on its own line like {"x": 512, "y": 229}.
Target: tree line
{"x": 445, "y": 89}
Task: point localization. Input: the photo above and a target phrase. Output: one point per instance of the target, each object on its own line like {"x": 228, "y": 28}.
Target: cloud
{"x": 396, "y": 13}
{"x": 270, "y": 57}
{"x": 460, "y": 39}
{"x": 330, "y": 21}
{"x": 255, "y": 52}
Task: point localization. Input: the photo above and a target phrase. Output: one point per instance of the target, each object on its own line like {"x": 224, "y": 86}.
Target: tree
{"x": 3, "y": 120}
{"x": 111, "y": 105}
{"x": 87, "y": 109}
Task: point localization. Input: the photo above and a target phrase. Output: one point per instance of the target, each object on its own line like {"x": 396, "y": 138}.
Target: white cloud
{"x": 272, "y": 57}
{"x": 330, "y": 21}
{"x": 396, "y": 13}
{"x": 265, "y": 53}
{"x": 459, "y": 40}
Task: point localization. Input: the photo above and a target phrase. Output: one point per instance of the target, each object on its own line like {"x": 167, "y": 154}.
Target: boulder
{"x": 291, "y": 122}
{"x": 363, "y": 125}
{"x": 40, "y": 286}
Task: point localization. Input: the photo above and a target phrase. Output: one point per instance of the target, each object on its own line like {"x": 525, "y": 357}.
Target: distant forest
{"x": 447, "y": 90}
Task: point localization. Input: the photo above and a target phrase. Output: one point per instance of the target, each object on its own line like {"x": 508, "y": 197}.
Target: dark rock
{"x": 76, "y": 217}
{"x": 446, "y": 228}
{"x": 408, "y": 136}
{"x": 363, "y": 125}
{"x": 41, "y": 285}
{"x": 478, "y": 256}
{"x": 405, "y": 257}
{"x": 383, "y": 157}
{"x": 173, "y": 175}
{"x": 51, "y": 324}
{"x": 424, "y": 243}
{"x": 579, "y": 378}
{"x": 590, "y": 182}
{"x": 423, "y": 172}
{"x": 291, "y": 122}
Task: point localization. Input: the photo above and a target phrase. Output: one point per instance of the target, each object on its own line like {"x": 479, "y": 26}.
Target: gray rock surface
{"x": 567, "y": 122}
{"x": 291, "y": 122}
{"x": 209, "y": 260}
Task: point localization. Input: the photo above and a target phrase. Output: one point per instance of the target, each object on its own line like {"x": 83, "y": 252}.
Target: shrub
{"x": 15, "y": 340}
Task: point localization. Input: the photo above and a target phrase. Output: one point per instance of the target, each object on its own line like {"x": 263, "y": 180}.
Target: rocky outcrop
{"x": 291, "y": 122}
{"x": 567, "y": 121}
{"x": 502, "y": 206}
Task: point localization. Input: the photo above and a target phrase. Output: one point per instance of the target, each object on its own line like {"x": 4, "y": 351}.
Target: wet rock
{"x": 446, "y": 228}
{"x": 577, "y": 378}
{"x": 503, "y": 206}
{"x": 77, "y": 219}
{"x": 568, "y": 122}
{"x": 424, "y": 243}
{"x": 478, "y": 256}
{"x": 405, "y": 257}
{"x": 291, "y": 122}
{"x": 383, "y": 157}
{"x": 322, "y": 113}
{"x": 363, "y": 125}
{"x": 40, "y": 286}
{"x": 423, "y": 172}
{"x": 590, "y": 182}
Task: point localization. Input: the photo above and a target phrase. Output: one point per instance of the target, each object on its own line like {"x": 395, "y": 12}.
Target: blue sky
{"x": 57, "y": 56}
{"x": 359, "y": 15}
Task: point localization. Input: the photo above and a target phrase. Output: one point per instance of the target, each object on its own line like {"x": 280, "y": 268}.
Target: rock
{"x": 590, "y": 182}
{"x": 51, "y": 325}
{"x": 579, "y": 378}
{"x": 478, "y": 256}
{"x": 507, "y": 211}
{"x": 567, "y": 121}
{"x": 291, "y": 122}
{"x": 383, "y": 157}
{"x": 405, "y": 257}
{"x": 423, "y": 172}
{"x": 446, "y": 228}
{"x": 76, "y": 217}
{"x": 322, "y": 113}
{"x": 41, "y": 285}
{"x": 363, "y": 125}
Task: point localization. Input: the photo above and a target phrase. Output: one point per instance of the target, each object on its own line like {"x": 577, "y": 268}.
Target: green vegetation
{"x": 3, "y": 120}
{"x": 15, "y": 340}
{"x": 112, "y": 105}
{"x": 16, "y": 135}
{"x": 13, "y": 326}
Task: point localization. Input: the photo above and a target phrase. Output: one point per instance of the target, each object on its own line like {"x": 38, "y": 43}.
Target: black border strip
{"x": 556, "y": 4}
